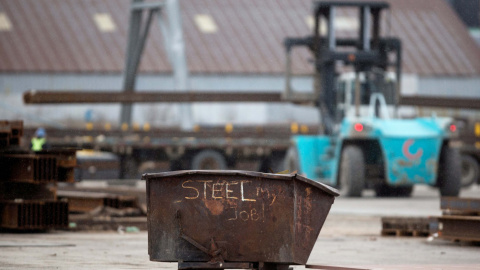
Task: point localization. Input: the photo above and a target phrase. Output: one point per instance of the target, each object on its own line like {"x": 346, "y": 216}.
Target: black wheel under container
{"x": 449, "y": 172}
{"x": 352, "y": 171}
{"x": 209, "y": 160}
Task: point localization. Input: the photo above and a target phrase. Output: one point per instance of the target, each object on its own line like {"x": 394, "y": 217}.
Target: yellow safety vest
{"x": 37, "y": 144}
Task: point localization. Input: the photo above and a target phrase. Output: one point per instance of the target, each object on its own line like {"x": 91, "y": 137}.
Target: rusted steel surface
{"x": 459, "y": 228}
{"x": 11, "y": 133}
{"x": 121, "y": 202}
{"x": 81, "y": 201}
{"x": 79, "y": 96}
{"x": 234, "y": 216}
{"x": 15, "y": 190}
{"x": 28, "y": 168}
{"x": 406, "y": 226}
{"x": 460, "y": 206}
{"x": 66, "y": 163}
{"x": 443, "y": 102}
{"x": 33, "y": 215}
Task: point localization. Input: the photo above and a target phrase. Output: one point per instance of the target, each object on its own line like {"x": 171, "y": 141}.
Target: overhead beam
{"x": 442, "y": 102}
{"x": 79, "y": 96}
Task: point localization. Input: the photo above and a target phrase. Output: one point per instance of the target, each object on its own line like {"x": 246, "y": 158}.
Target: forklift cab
{"x": 373, "y": 83}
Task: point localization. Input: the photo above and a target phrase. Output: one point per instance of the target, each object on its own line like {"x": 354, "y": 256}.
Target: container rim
{"x": 158, "y": 176}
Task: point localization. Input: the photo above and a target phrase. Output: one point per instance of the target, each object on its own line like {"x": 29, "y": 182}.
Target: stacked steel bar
{"x": 82, "y": 201}
{"x": 460, "y": 220}
{"x": 406, "y": 226}
{"x": 11, "y": 133}
{"x": 34, "y": 214}
{"x": 28, "y": 180}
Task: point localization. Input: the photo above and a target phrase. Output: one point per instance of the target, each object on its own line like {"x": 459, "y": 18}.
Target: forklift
{"x": 364, "y": 145}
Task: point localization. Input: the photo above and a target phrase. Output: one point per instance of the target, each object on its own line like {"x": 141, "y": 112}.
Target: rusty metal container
{"x": 234, "y": 216}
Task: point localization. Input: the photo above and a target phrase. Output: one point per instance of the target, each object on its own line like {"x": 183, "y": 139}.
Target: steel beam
{"x": 79, "y": 96}
{"x": 443, "y": 102}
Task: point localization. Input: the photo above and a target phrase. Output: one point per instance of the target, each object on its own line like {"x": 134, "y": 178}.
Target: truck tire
{"x": 352, "y": 171}
{"x": 129, "y": 168}
{"x": 449, "y": 172}
{"x": 291, "y": 160}
{"x": 273, "y": 164}
{"x": 470, "y": 170}
{"x": 209, "y": 160}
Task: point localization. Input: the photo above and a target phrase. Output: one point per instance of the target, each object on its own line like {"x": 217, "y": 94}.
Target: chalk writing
{"x": 239, "y": 200}
{"x": 233, "y": 190}
{"x": 246, "y": 215}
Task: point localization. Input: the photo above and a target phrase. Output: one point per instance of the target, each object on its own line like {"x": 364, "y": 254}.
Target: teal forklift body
{"x": 410, "y": 148}
{"x": 317, "y": 157}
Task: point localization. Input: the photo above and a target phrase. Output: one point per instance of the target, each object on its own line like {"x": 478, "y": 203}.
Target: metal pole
{"x": 357, "y": 94}
{"x": 129, "y": 73}
{"x": 366, "y": 28}
{"x": 178, "y": 58}
{"x": 331, "y": 29}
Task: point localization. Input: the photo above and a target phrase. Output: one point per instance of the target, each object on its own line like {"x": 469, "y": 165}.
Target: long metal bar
{"x": 443, "y": 102}
{"x": 66, "y": 97}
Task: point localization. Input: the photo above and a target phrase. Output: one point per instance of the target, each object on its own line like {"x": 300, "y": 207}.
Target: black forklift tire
{"x": 449, "y": 172}
{"x": 352, "y": 171}
{"x": 209, "y": 160}
{"x": 470, "y": 170}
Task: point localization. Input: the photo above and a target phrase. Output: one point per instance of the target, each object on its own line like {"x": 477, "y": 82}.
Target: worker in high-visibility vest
{"x": 38, "y": 142}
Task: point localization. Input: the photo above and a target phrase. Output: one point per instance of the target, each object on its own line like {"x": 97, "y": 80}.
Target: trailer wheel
{"x": 449, "y": 172}
{"x": 273, "y": 164}
{"x": 291, "y": 160}
{"x": 352, "y": 171}
{"x": 470, "y": 170}
{"x": 129, "y": 168}
{"x": 209, "y": 160}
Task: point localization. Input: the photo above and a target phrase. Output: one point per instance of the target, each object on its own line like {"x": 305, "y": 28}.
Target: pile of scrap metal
{"x": 460, "y": 220}
{"x": 95, "y": 210}
{"x": 407, "y": 226}
{"x": 28, "y": 183}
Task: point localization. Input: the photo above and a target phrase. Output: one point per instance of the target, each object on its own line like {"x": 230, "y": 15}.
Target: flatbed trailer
{"x": 259, "y": 148}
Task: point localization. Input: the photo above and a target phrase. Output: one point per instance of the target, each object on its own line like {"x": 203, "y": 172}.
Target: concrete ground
{"x": 350, "y": 237}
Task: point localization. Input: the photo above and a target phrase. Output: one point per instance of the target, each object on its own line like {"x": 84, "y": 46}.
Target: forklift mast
{"x": 367, "y": 52}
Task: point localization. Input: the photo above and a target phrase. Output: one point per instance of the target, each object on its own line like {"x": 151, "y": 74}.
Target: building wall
{"x": 456, "y": 87}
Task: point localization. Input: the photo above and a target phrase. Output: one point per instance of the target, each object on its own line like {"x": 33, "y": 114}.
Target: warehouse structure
{"x": 230, "y": 45}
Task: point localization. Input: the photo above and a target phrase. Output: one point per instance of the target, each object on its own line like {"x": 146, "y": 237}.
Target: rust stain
{"x": 404, "y": 163}
{"x": 214, "y": 206}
